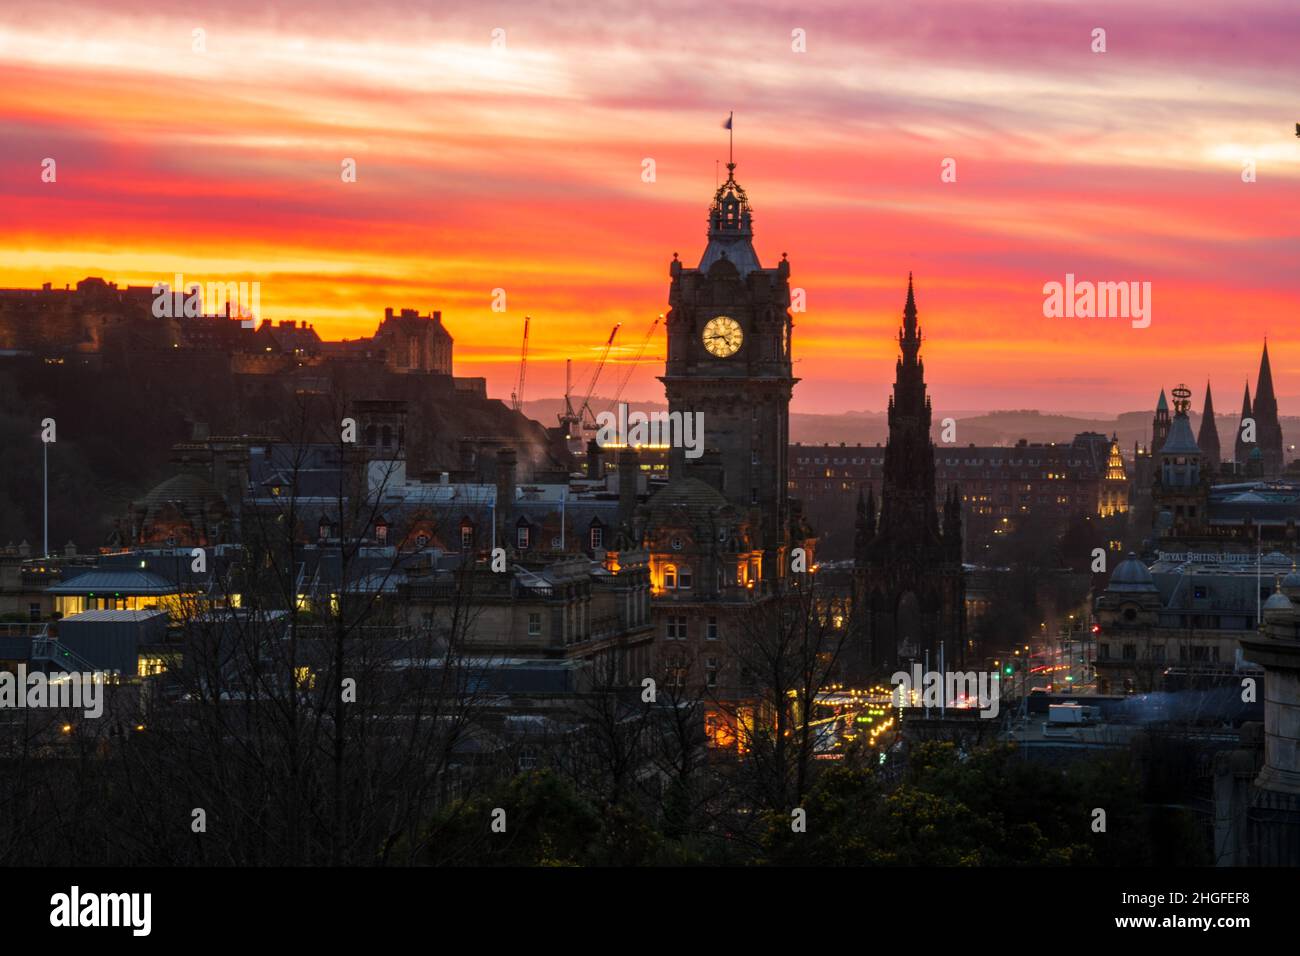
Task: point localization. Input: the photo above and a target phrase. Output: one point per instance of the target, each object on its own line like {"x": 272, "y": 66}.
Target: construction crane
{"x": 517, "y": 396}
{"x": 585, "y": 414}
{"x": 627, "y": 375}
{"x": 569, "y": 418}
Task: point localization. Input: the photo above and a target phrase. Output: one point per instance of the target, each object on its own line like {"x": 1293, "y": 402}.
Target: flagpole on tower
{"x": 731, "y": 134}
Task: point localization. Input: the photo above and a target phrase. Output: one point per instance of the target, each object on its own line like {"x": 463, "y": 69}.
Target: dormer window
{"x": 522, "y": 537}
{"x": 597, "y": 537}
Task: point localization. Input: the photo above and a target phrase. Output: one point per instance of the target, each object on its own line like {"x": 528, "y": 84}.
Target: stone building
{"x": 1177, "y": 624}
{"x": 1001, "y": 487}
{"x": 414, "y": 342}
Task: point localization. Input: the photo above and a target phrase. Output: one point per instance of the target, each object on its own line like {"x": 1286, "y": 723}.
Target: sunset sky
{"x": 520, "y": 168}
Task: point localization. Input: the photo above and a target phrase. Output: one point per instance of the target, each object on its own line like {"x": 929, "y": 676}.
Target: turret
{"x": 1160, "y": 424}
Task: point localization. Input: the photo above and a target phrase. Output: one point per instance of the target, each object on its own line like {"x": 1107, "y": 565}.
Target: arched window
{"x": 670, "y": 576}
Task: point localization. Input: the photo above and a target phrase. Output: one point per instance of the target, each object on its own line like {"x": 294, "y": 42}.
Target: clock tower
{"x": 729, "y": 358}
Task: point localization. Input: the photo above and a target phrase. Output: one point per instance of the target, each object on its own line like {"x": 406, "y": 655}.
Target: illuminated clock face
{"x": 722, "y": 336}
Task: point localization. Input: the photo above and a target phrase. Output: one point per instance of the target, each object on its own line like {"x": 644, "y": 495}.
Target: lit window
{"x": 670, "y": 576}
{"x": 148, "y": 666}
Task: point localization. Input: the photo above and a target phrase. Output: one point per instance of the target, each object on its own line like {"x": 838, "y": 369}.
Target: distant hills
{"x": 973, "y": 427}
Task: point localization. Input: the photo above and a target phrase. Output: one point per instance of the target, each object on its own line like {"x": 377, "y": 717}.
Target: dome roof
{"x": 187, "y": 491}
{"x": 1292, "y": 580}
{"x": 700, "y": 500}
{"x": 1131, "y": 575}
{"x": 182, "y": 487}
{"x": 1278, "y": 602}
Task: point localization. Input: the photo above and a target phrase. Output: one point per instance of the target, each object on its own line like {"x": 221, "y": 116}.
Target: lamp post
{"x": 45, "y": 508}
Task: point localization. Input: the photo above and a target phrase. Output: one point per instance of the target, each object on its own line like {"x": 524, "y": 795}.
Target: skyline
{"x": 521, "y": 169}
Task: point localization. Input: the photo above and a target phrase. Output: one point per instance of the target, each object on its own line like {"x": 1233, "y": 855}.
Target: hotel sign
{"x": 1206, "y": 557}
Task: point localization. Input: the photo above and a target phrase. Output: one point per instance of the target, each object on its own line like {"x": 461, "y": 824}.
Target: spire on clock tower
{"x": 731, "y": 228}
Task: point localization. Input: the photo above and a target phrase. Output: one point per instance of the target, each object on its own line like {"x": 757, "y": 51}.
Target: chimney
{"x": 506, "y": 460}
{"x": 595, "y": 460}
{"x": 628, "y": 469}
